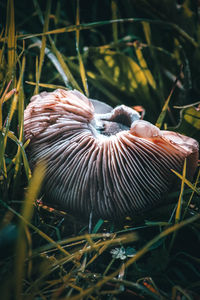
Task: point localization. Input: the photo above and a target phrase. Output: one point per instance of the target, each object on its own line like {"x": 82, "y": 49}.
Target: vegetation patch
{"x": 144, "y": 54}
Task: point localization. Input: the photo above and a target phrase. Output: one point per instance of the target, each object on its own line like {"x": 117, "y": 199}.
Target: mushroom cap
{"x": 102, "y": 160}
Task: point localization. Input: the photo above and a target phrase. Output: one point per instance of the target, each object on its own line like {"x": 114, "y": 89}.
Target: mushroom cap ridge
{"x": 111, "y": 163}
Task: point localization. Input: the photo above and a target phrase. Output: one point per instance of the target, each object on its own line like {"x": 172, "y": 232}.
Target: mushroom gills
{"x": 102, "y": 159}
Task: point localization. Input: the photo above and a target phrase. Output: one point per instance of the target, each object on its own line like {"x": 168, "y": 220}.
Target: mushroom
{"x": 102, "y": 160}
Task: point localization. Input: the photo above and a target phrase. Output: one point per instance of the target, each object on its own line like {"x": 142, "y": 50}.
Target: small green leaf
{"x": 98, "y": 225}
{"x": 190, "y": 122}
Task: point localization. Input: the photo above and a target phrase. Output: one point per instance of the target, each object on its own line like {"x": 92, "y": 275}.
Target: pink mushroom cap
{"x": 102, "y": 160}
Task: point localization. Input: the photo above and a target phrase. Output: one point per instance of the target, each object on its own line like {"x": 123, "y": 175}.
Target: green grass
{"x": 132, "y": 52}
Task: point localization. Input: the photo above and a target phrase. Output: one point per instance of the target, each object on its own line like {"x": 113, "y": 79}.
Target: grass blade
{"x": 47, "y": 85}
{"x": 15, "y": 99}
{"x": 114, "y": 17}
{"x": 81, "y": 65}
{"x": 86, "y": 26}
{"x": 194, "y": 188}
{"x": 162, "y": 115}
{"x": 10, "y": 33}
{"x": 23, "y": 153}
{"x": 178, "y": 210}
{"x": 195, "y": 185}
{"x": 43, "y": 45}
{"x": 27, "y": 212}
{"x": 64, "y": 66}
{"x": 145, "y": 68}
{"x": 3, "y": 97}
{"x": 18, "y": 96}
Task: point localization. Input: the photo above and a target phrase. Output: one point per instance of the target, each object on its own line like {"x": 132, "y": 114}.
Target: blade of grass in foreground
{"x": 193, "y": 187}
{"x": 179, "y": 205}
{"x": 27, "y": 212}
{"x": 98, "y": 247}
{"x": 178, "y": 210}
